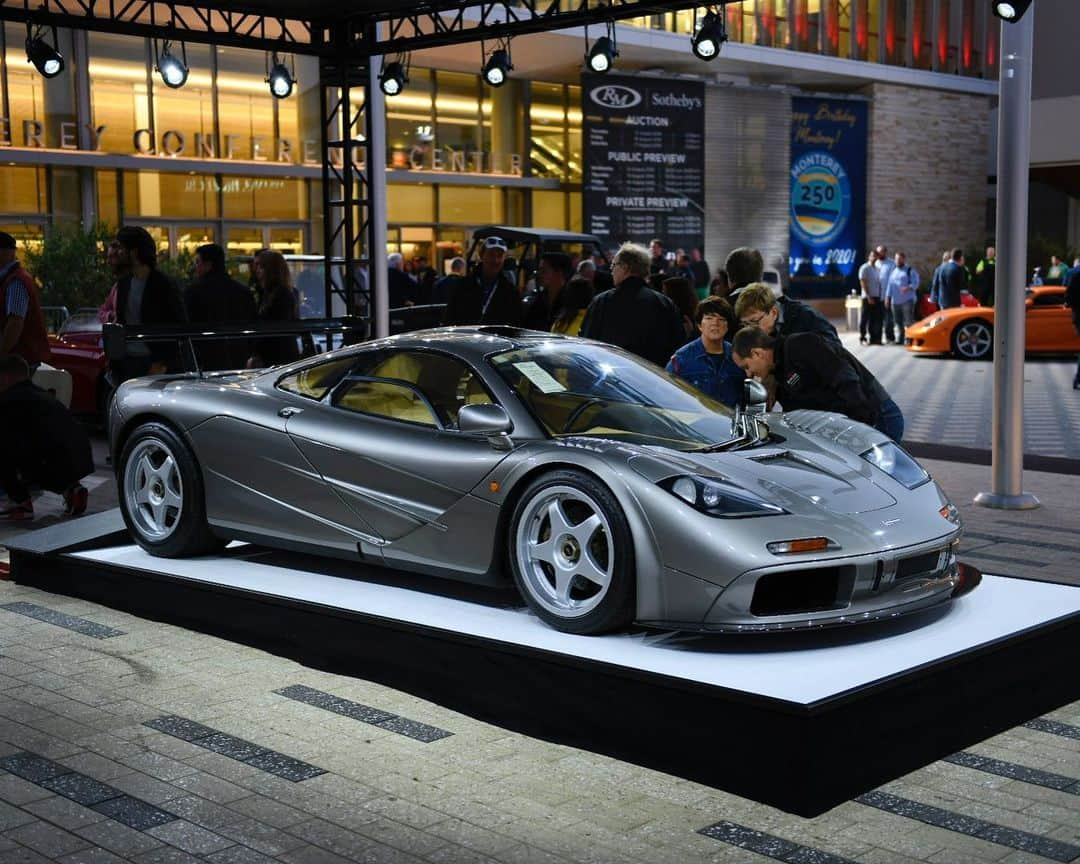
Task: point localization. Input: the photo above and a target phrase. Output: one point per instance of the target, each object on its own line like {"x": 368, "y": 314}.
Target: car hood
{"x": 817, "y": 466}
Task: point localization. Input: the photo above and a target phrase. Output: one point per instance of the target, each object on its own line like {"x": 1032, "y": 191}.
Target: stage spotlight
{"x": 172, "y": 69}
{"x": 603, "y": 54}
{"x": 709, "y": 37}
{"x": 1013, "y": 10}
{"x": 280, "y": 79}
{"x": 498, "y": 66}
{"x": 46, "y": 59}
{"x": 393, "y": 78}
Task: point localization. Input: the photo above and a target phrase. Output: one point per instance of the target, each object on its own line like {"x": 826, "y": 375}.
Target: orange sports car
{"x": 967, "y": 332}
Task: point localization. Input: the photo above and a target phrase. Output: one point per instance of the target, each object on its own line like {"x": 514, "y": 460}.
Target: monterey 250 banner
{"x": 644, "y": 171}
{"x": 828, "y": 195}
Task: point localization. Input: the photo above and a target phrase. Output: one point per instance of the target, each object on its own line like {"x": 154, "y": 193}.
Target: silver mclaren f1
{"x": 609, "y": 491}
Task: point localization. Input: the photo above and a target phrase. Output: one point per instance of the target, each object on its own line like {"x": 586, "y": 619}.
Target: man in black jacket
{"x": 953, "y": 282}
{"x": 40, "y": 444}
{"x": 214, "y": 298}
{"x": 145, "y": 296}
{"x": 541, "y": 304}
{"x": 780, "y": 316}
{"x": 486, "y": 295}
{"x": 811, "y": 372}
{"x": 632, "y": 315}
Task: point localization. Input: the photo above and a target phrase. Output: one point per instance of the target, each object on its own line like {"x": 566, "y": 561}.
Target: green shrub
{"x": 70, "y": 265}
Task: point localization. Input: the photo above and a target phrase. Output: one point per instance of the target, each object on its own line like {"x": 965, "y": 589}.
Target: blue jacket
{"x": 712, "y": 374}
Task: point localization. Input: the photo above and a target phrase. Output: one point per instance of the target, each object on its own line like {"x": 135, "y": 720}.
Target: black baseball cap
{"x": 6, "y": 240}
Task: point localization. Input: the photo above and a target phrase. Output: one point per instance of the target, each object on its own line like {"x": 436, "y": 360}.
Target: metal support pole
{"x": 1013, "y": 171}
{"x": 375, "y": 117}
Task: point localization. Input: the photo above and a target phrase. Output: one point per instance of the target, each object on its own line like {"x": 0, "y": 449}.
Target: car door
{"x": 1049, "y": 324}
{"x": 386, "y": 441}
{"x": 257, "y": 484}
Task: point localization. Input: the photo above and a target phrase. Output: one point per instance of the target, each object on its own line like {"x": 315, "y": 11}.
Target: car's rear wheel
{"x": 161, "y": 494}
{"x": 973, "y": 340}
{"x": 572, "y": 554}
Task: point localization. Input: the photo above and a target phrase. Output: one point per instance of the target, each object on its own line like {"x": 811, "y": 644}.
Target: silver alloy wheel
{"x": 973, "y": 340}
{"x": 563, "y": 549}
{"x": 153, "y": 490}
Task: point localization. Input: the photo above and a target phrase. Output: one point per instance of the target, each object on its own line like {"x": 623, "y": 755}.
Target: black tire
{"x": 184, "y": 531}
{"x": 581, "y": 550}
{"x": 973, "y": 340}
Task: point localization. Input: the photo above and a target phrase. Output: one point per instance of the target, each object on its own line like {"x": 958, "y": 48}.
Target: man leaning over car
{"x": 813, "y": 373}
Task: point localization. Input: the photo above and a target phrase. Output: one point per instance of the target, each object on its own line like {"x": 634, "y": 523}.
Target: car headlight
{"x": 888, "y": 457}
{"x": 933, "y": 322}
{"x": 716, "y": 498}
{"x": 950, "y": 513}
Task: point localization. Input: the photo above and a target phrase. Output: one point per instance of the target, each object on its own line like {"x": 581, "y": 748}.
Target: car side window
{"x": 446, "y": 382}
{"x": 385, "y": 399}
{"x": 314, "y": 382}
{"x": 1051, "y": 298}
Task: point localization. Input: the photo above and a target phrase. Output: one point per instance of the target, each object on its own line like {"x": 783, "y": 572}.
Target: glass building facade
{"x": 222, "y": 160}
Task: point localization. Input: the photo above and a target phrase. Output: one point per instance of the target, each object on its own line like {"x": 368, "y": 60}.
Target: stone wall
{"x": 927, "y": 181}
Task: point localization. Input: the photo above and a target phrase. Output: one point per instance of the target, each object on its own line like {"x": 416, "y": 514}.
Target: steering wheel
{"x": 575, "y": 415}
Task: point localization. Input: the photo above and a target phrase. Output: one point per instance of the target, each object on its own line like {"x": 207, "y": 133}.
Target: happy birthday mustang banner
{"x": 828, "y": 195}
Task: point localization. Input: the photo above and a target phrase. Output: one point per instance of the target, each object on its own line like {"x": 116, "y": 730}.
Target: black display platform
{"x": 801, "y": 722}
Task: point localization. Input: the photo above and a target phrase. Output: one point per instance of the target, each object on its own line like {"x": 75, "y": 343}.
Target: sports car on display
{"x": 607, "y": 490}
{"x": 967, "y": 332}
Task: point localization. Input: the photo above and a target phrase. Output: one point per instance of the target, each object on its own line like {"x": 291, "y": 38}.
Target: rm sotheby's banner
{"x": 828, "y": 195}
{"x": 644, "y": 160}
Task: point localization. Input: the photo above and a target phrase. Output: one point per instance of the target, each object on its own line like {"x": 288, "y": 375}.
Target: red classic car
{"x": 76, "y": 348}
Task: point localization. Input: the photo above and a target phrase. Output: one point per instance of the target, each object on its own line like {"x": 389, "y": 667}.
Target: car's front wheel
{"x": 161, "y": 494}
{"x": 572, "y": 554}
{"x": 973, "y": 340}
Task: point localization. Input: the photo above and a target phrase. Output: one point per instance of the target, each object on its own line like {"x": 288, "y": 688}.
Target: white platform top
{"x": 803, "y": 670}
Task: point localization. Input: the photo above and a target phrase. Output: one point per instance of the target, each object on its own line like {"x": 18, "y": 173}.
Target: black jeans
{"x": 873, "y": 320}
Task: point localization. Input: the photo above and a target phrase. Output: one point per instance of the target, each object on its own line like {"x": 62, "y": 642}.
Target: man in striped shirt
{"x": 22, "y": 326}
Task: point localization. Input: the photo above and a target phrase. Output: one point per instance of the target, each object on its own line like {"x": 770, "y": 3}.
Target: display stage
{"x": 798, "y": 721}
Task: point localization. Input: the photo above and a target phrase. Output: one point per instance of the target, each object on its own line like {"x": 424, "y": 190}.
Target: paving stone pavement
{"x": 469, "y": 791}
{"x": 948, "y": 401}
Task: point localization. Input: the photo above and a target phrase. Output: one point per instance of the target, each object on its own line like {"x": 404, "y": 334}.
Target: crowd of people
{"x": 49, "y": 448}
{"x": 1058, "y": 273}
{"x": 652, "y": 310}
{"x": 712, "y": 330}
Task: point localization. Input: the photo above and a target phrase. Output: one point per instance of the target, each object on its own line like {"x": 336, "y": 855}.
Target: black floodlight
{"x": 498, "y": 66}
{"x": 603, "y": 52}
{"x": 393, "y": 77}
{"x": 172, "y": 69}
{"x": 1010, "y": 10}
{"x": 280, "y": 79}
{"x": 710, "y": 36}
{"x": 46, "y": 59}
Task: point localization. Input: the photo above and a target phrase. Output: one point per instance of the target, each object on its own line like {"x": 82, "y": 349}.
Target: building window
{"x": 410, "y": 123}
{"x": 472, "y": 205}
{"x": 245, "y": 106}
{"x": 22, "y": 190}
{"x": 118, "y": 92}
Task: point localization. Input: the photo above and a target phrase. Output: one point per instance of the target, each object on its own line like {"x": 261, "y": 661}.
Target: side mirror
{"x": 755, "y": 396}
{"x": 487, "y": 420}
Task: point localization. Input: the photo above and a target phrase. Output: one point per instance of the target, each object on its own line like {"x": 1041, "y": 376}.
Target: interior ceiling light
{"x": 498, "y": 66}
{"x": 280, "y": 79}
{"x": 709, "y": 37}
{"x": 603, "y": 53}
{"x": 46, "y": 59}
{"x": 393, "y": 77}
{"x": 172, "y": 69}
{"x": 1013, "y": 10}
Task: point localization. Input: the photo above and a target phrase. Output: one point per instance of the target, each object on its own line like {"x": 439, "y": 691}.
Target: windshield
{"x": 579, "y": 388}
